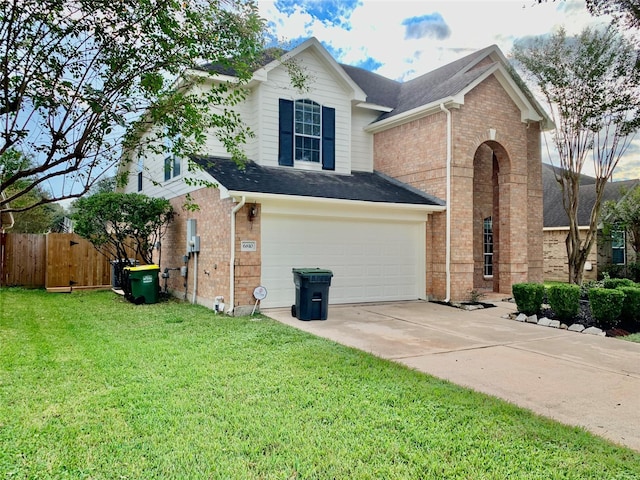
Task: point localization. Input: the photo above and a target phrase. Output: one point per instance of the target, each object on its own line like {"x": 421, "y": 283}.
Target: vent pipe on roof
{"x": 232, "y": 276}
{"x": 448, "y": 231}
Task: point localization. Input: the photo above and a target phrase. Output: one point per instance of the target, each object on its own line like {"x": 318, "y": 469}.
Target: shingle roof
{"x": 380, "y": 90}
{"x": 362, "y": 186}
{"x": 266, "y": 57}
{"x": 441, "y": 83}
{"x": 554, "y": 213}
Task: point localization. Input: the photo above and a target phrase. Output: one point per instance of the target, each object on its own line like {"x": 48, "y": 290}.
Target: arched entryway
{"x": 490, "y": 162}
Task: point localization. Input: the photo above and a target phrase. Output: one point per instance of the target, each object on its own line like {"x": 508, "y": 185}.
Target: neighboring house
{"x": 606, "y": 251}
{"x": 427, "y": 189}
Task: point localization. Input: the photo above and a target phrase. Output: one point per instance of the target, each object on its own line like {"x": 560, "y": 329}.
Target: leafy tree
{"x": 590, "y": 86}
{"x": 30, "y": 215}
{"x": 104, "y": 185}
{"x": 123, "y": 225}
{"x": 76, "y": 75}
{"x": 624, "y": 215}
{"x": 44, "y": 218}
{"x": 626, "y": 11}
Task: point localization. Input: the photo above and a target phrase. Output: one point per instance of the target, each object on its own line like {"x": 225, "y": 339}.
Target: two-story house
{"x": 426, "y": 189}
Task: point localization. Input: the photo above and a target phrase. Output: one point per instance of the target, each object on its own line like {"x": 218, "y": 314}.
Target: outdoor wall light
{"x": 253, "y": 211}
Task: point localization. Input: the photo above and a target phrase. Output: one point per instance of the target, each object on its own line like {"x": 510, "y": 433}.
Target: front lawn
{"x": 94, "y": 387}
{"x": 634, "y": 337}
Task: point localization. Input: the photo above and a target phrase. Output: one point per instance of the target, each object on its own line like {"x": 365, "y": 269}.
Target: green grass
{"x": 94, "y": 387}
{"x": 634, "y": 337}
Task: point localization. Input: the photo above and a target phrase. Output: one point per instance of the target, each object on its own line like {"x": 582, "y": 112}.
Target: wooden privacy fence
{"x": 56, "y": 261}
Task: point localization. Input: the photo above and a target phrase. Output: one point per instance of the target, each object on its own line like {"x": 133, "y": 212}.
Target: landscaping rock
{"x": 576, "y": 327}
{"x": 471, "y": 306}
{"x": 594, "y": 331}
{"x": 521, "y": 317}
{"x": 532, "y": 319}
{"x": 555, "y": 324}
{"x": 564, "y": 326}
{"x": 544, "y": 321}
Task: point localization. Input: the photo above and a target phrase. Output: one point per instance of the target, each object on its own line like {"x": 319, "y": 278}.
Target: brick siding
{"x": 214, "y": 228}
{"x": 415, "y": 153}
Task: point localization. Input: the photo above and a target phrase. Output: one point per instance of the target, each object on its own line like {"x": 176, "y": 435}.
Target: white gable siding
{"x": 153, "y": 183}
{"x": 361, "y": 141}
{"x": 324, "y": 88}
{"x": 248, "y": 112}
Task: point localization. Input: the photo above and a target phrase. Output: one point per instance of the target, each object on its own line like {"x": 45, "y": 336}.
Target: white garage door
{"x": 371, "y": 260}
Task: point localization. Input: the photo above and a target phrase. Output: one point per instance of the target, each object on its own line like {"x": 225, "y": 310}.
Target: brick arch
{"x": 493, "y": 139}
{"x": 491, "y": 169}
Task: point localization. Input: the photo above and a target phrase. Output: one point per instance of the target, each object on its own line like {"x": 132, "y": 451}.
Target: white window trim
{"x": 484, "y": 254}
{"x": 302, "y": 163}
{"x": 172, "y": 177}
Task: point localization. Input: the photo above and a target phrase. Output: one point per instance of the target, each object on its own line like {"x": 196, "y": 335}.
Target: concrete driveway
{"x": 577, "y": 379}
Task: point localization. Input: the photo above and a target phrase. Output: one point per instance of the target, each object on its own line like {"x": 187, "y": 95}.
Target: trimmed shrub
{"x": 588, "y": 285}
{"x": 606, "y": 306}
{"x": 618, "y": 282}
{"x": 528, "y": 297}
{"x": 631, "y": 305}
{"x": 564, "y": 300}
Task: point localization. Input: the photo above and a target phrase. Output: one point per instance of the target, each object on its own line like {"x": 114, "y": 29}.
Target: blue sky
{"x": 404, "y": 39}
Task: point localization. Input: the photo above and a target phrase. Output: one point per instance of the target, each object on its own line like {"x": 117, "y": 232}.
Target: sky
{"x": 405, "y": 39}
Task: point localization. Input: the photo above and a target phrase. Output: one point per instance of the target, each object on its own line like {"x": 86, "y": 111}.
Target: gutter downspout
{"x": 195, "y": 276}
{"x": 448, "y": 228}
{"x": 232, "y": 276}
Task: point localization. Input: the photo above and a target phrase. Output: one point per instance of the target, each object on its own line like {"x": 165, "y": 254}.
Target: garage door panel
{"x": 371, "y": 260}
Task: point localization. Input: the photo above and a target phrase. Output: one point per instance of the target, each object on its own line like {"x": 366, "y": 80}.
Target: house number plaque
{"x": 248, "y": 245}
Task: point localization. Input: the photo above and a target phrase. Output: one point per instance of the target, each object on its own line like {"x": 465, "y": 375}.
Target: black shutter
{"x": 328, "y": 138}
{"x": 285, "y": 148}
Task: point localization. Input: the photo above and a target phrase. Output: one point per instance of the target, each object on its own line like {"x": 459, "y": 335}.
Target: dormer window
{"x": 307, "y": 133}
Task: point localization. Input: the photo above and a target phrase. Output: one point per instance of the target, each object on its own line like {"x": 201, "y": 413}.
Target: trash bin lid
{"x": 142, "y": 268}
{"x": 312, "y": 271}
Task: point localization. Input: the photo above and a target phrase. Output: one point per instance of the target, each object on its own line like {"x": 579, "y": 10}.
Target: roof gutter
{"x": 232, "y": 261}
{"x": 448, "y": 213}
{"x": 260, "y": 196}
{"x": 415, "y": 114}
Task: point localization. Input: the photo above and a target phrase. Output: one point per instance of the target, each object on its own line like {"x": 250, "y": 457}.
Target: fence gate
{"x": 57, "y": 261}
{"x": 72, "y": 262}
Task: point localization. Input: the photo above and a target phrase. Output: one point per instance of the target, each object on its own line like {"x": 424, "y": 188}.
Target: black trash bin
{"x": 117, "y": 267}
{"x": 312, "y": 293}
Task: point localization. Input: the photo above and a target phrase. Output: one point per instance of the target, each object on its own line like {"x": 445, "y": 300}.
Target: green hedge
{"x": 618, "y": 282}
{"x": 564, "y": 300}
{"x": 528, "y": 297}
{"x": 631, "y": 305}
{"x": 606, "y": 306}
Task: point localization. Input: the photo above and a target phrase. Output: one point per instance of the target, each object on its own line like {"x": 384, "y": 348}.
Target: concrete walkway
{"x": 577, "y": 379}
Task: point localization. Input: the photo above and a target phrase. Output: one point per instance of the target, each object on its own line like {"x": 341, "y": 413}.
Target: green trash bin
{"x": 141, "y": 284}
{"x": 312, "y": 293}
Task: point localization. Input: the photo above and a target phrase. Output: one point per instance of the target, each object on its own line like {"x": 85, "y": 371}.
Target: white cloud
{"x": 378, "y": 29}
